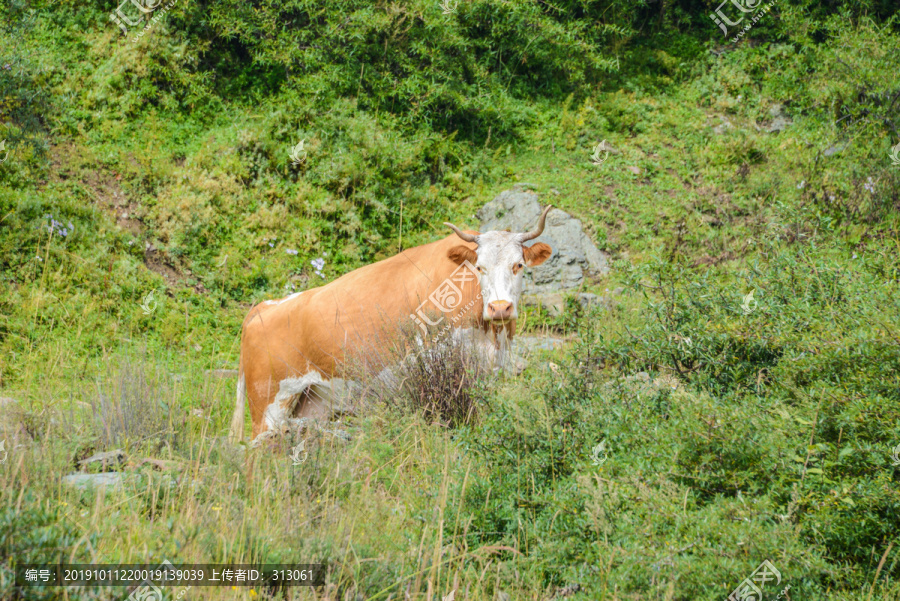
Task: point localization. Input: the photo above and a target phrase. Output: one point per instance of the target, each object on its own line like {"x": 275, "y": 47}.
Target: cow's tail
{"x": 237, "y": 420}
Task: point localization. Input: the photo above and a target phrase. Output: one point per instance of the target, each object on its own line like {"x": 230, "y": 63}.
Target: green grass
{"x": 767, "y": 436}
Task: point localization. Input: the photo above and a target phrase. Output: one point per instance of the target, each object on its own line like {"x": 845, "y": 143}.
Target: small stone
{"x": 107, "y": 459}
{"x": 567, "y": 591}
{"x": 159, "y": 464}
{"x": 588, "y": 300}
{"x": 780, "y": 119}
{"x": 113, "y": 480}
{"x": 553, "y": 304}
{"x": 633, "y": 169}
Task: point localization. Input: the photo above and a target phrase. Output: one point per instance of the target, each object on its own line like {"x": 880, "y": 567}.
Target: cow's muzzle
{"x": 500, "y": 310}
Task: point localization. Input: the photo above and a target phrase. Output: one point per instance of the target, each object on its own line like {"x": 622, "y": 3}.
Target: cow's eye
{"x": 481, "y": 269}
{"x": 519, "y": 266}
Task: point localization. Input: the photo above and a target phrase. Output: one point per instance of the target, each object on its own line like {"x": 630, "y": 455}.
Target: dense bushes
{"x": 763, "y": 422}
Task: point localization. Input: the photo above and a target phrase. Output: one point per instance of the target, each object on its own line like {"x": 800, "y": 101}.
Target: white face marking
{"x": 499, "y": 254}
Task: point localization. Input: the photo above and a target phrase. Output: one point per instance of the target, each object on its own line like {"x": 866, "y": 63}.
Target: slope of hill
{"x": 739, "y": 402}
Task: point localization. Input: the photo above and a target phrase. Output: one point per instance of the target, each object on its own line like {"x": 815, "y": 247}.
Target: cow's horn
{"x": 540, "y": 227}
{"x": 462, "y": 234}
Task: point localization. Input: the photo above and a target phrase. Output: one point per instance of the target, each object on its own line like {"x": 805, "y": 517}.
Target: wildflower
{"x": 290, "y": 251}
{"x": 801, "y": 184}
{"x": 319, "y": 264}
{"x": 870, "y": 186}
{"x": 59, "y": 227}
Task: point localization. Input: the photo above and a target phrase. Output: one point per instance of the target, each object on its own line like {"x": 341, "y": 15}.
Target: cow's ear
{"x": 536, "y": 254}
{"x": 460, "y": 254}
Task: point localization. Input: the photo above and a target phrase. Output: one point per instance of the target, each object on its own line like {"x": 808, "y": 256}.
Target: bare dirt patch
{"x": 103, "y": 186}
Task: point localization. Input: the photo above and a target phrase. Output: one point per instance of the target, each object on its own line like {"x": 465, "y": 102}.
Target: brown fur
{"x": 353, "y": 315}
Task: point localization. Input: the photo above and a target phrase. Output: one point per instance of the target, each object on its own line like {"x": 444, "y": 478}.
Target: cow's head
{"x": 501, "y": 258}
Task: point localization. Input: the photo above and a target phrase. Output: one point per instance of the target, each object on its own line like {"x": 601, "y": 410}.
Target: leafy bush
{"x": 761, "y": 420}
{"x": 36, "y": 535}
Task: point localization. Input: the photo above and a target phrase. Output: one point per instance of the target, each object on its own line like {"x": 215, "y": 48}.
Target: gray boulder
{"x": 112, "y": 480}
{"x": 575, "y": 259}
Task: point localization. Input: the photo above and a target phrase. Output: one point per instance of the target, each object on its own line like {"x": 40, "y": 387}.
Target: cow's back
{"x": 357, "y": 314}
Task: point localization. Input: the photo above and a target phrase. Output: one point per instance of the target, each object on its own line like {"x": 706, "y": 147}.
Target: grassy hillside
{"x": 150, "y": 197}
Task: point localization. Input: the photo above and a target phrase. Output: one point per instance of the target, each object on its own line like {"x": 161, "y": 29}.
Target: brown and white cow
{"x": 288, "y": 345}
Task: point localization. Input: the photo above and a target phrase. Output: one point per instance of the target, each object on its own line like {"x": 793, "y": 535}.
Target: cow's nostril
{"x": 500, "y": 309}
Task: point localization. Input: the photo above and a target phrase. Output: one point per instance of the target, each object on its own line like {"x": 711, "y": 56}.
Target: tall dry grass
{"x": 376, "y": 510}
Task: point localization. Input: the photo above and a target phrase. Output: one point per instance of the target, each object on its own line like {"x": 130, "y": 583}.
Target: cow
{"x": 291, "y": 346}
